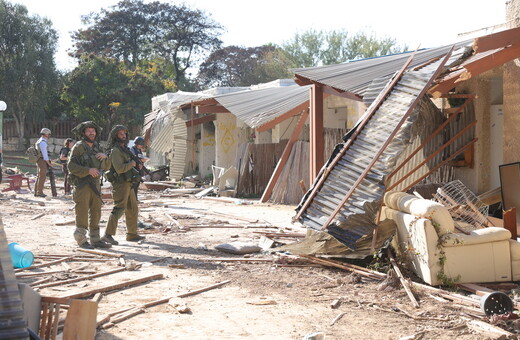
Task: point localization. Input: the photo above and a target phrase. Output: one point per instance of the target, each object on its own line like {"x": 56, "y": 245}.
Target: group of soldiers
{"x": 86, "y": 165}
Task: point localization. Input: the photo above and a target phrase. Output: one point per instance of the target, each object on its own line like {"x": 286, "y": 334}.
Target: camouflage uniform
{"x": 87, "y": 189}
{"x": 124, "y": 177}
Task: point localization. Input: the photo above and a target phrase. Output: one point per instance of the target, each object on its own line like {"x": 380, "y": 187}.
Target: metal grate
{"x": 463, "y": 204}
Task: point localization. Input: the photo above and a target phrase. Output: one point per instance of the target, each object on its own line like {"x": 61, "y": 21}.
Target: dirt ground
{"x": 262, "y": 300}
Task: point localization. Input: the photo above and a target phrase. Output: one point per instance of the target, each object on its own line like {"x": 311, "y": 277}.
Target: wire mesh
{"x": 463, "y": 204}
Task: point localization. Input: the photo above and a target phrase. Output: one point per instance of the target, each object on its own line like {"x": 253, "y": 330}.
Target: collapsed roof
{"x": 346, "y": 195}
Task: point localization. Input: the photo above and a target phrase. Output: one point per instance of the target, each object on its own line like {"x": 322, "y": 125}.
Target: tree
{"x": 109, "y": 92}
{"x": 28, "y": 76}
{"x": 243, "y": 66}
{"x": 133, "y": 31}
{"x": 317, "y": 48}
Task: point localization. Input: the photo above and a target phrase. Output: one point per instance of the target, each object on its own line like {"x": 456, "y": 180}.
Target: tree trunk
{"x": 19, "y": 118}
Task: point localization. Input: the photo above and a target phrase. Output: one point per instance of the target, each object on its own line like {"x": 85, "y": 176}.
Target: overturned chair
{"x": 439, "y": 254}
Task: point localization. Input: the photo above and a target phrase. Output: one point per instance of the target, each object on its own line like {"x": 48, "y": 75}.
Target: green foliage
{"x": 134, "y": 31}
{"x": 108, "y": 92}
{"x": 243, "y": 66}
{"x": 28, "y": 76}
{"x": 317, "y": 48}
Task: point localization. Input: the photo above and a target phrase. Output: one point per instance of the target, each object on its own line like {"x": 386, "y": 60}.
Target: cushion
{"x": 435, "y": 212}
{"x": 477, "y": 236}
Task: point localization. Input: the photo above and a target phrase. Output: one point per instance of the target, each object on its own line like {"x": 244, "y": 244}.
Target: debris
{"x": 113, "y": 286}
{"x": 337, "y": 318}
{"x": 335, "y": 303}
{"x": 178, "y": 266}
{"x": 415, "y": 336}
{"x": 181, "y": 308}
{"x": 59, "y": 283}
{"x": 314, "y": 336}
{"x": 262, "y": 302}
{"x": 487, "y": 329}
{"x": 37, "y": 216}
{"x": 69, "y": 222}
{"x": 238, "y": 248}
{"x": 403, "y": 280}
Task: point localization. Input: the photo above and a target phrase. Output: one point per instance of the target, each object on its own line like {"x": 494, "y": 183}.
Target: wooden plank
{"x": 510, "y": 222}
{"x": 403, "y": 280}
{"x": 491, "y": 61}
{"x": 80, "y": 322}
{"x": 285, "y": 156}
{"x": 316, "y": 132}
{"x": 48, "y": 264}
{"x": 293, "y": 112}
{"x": 201, "y": 120}
{"x": 496, "y": 40}
{"x": 113, "y": 286}
{"x": 100, "y": 252}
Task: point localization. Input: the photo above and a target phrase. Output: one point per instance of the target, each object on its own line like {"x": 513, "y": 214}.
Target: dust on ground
{"x": 263, "y": 300}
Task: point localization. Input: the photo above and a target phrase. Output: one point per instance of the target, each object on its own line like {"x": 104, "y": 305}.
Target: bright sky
{"x": 254, "y": 23}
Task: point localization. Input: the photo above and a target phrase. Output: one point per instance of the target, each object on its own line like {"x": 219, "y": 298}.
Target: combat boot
{"x": 109, "y": 239}
{"x": 134, "y": 237}
{"x": 86, "y": 245}
{"x": 101, "y": 244}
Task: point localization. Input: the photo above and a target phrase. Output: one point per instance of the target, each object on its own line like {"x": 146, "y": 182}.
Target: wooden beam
{"x": 201, "y": 120}
{"x": 316, "y": 131}
{"x": 113, "y": 287}
{"x": 285, "y": 156}
{"x": 205, "y": 109}
{"x": 496, "y": 40}
{"x": 491, "y": 61}
{"x": 474, "y": 68}
{"x": 344, "y": 94}
{"x": 293, "y": 112}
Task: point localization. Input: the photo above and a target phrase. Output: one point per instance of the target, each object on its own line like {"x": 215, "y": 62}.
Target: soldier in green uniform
{"x": 86, "y": 163}
{"x": 123, "y": 176}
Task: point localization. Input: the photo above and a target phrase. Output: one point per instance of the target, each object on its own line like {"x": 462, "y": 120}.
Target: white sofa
{"x": 437, "y": 253}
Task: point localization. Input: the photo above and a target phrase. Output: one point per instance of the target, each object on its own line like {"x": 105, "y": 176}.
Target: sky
{"x": 414, "y": 23}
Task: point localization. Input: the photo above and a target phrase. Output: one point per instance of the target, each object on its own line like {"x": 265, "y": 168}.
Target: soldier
{"x": 85, "y": 165}
{"x": 123, "y": 176}
{"x": 43, "y": 162}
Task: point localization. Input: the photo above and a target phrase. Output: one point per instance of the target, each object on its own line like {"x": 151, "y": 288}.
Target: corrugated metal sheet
{"x": 257, "y": 107}
{"x": 356, "y": 76}
{"x": 356, "y": 218}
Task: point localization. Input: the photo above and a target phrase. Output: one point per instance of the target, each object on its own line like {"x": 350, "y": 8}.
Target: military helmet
{"x": 112, "y": 137}
{"x": 80, "y": 128}
{"x": 45, "y": 131}
{"x": 139, "y": 140}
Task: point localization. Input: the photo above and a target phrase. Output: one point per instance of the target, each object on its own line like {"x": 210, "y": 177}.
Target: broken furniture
{"x": 43, "y": 317}
{"x": 437, "y": 253}
{"x": 15, "y": 182}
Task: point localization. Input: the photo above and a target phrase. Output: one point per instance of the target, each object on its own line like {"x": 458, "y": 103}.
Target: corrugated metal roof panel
{"x": 356, "y": 218}
{"x": 356, "y": 76}
{"x": 257, "y": 107}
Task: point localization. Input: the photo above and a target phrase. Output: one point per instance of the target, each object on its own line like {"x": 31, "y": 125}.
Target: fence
{"x": 60, "y": 129}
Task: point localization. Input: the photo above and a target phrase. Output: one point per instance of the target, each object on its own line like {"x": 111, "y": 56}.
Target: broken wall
{"x": 478, "y": 177}
{"x": 512, "y": 93}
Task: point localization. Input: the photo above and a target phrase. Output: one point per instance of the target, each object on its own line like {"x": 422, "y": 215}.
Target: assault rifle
{"x": 52, "y": 179}
{"x": 137, "y": 161}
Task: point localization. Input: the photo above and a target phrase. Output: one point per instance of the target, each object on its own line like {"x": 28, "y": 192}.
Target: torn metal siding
{"x": 356, "y": 218}
{"x": 356, "y": 76}
{"x": 257, "y": 107}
